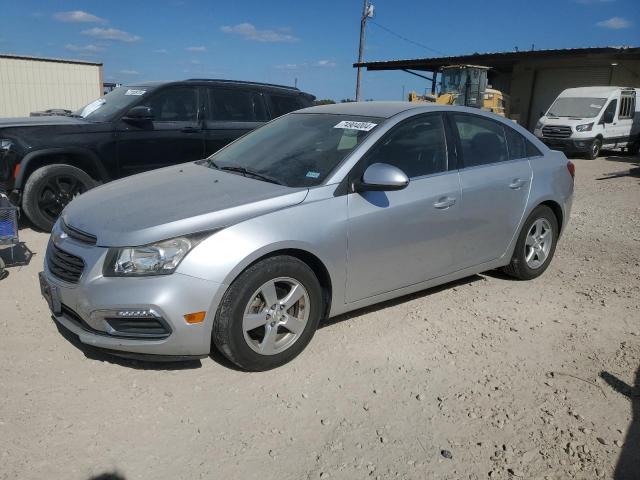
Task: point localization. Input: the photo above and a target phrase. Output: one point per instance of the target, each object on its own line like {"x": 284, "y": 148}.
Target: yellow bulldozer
{"x": 467, "y": 85}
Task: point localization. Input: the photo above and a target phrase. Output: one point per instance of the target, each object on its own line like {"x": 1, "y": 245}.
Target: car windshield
{"x": 104, "y": 108}
{"x": 297, "y": 150}
{"x": 581, "y": 107}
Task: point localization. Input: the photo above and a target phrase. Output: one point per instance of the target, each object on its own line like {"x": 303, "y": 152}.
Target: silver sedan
{"x": 319, "y": 212}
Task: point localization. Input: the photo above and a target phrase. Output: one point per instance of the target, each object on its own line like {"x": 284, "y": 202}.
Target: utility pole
{"x": 367, "y": 11}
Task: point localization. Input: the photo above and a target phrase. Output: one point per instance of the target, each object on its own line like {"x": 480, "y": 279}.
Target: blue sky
{"x": 313, "y": 41}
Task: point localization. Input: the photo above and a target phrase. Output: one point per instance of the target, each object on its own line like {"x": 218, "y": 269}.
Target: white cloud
{"x": 111, "y": 34}
{"x": 196, "y": 49}
{"x": 87, "y": 49}
{"x": 129, "y": 72}
{"x": 615, "y": 23}
{"x": 250, "y": 32}
{"x": 161, "y": 50}
{"x": 325, "y": 63}
{"x": 77, "y": 16}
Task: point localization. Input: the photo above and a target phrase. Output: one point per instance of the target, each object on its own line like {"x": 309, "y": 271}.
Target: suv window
{"x": 281, "y": 104}
{"x": 175, "y": 104}
{"x": 483, "y": 140}
{"x": 236, "y": 105}
{"x": 417, "y": 147}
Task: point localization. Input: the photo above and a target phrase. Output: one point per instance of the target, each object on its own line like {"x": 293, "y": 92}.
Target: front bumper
{"x": 171, "y": 296}
{"x": 568, "y": 145}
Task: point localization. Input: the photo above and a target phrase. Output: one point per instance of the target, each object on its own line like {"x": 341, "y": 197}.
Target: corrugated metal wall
{"x": 28, "y": 85}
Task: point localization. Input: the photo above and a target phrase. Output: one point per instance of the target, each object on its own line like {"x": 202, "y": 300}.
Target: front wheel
{"x": 49, "y": 189}
{"x": 269, "y": 313}
{"x": 596, "y": 146}
{"x": 535, "y": 246}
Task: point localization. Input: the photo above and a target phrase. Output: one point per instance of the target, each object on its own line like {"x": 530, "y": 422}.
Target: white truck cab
{"x": 586, "y": 119}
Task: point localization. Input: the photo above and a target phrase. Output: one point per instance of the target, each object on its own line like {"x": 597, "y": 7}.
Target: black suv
{"x": 46, "y": 161}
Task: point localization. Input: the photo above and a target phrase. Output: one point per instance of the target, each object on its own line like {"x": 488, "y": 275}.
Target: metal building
{"x": 29, "y": 84}
{"x": 534, "y": 78}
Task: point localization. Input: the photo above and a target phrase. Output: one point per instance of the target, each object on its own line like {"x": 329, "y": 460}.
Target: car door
{"x": 610, "y": 124}
{"x": 231, "y": 113}
{"x": 495, "y": 187}
{"x": 399, "y": 238}
{"x": 174, "y": 135}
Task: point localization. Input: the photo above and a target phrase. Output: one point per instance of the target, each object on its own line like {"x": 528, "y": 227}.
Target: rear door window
{"x": 236, "y": 105}
{"x": 483, "y": 140}
{"x": 282, "y": 104}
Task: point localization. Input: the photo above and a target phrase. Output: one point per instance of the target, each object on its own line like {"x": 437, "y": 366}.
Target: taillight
{"x": 572, "y": 169}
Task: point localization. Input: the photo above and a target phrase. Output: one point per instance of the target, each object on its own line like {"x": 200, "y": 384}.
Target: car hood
{"x": 173, "y": 201}
{"x": 40, "y": 121}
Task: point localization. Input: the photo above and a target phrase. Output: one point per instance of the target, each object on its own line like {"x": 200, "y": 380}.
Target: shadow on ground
{"x": 628, "y": 466}
{"x": 108, "y": 476}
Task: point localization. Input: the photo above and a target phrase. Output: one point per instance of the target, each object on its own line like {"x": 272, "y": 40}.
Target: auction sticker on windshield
{"x": 135, "y": 92}
{"x": 351, "y": 125}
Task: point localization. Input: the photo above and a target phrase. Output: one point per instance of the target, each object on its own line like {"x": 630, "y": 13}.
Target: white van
{"x": 584, "y": 120}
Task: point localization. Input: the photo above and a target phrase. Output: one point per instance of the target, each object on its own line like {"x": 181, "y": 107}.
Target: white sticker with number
{"x": 351, "y": 125}
{"x": 137, "y": 93}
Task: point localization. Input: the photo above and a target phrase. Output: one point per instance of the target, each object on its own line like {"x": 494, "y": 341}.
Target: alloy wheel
{"x": 538, "y": 243}
{"x": 57, "y": 192}
{"x": 276, "y": 315}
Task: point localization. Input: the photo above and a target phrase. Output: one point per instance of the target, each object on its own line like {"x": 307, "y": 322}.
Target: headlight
{"x": 160, "y": 258}
{"x": 5, "y": 144}
{"x": 538, "y": 125}
{"x": 586, "y": 127}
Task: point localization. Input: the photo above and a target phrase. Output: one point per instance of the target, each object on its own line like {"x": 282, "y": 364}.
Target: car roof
{"x": 370, "y": 109}
{"x": 218, "y": 81}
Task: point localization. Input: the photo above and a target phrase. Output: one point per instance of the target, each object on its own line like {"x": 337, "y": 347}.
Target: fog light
{"x": 196, "y": 317}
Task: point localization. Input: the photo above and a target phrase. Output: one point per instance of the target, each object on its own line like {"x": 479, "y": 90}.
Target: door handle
{"x": 444, "y": 202}
{"x": 190, "y": 130}
{"x": 517, "y": 184}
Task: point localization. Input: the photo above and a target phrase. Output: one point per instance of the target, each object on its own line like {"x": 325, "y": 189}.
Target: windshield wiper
{"x": 245, "y": 172}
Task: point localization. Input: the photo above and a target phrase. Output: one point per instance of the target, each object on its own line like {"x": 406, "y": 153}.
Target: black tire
{"x": 594, "y": 151}
{"x": 228, "y": 336}
{"x": 518, "y": 267}
{"x": 49, "y": 189}
{"x": 634, "y": 148}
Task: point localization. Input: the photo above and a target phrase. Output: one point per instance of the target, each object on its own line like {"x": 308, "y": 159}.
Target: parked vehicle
{"x": 587, "y": 119}
{"x": 320, "y": 212}
{"x": 47, "y": 161}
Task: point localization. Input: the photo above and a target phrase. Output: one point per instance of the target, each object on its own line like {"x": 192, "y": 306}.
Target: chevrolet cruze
{"x": 319, "y": 212}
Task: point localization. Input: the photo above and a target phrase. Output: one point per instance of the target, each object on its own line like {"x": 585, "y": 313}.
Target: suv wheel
{"x": 49, "y": 189}
{"x": 536, "y": 245}
{"x": 269, "y": 314}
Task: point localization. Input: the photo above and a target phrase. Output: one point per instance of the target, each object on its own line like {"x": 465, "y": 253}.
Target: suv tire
{"x": 49, "y": 189}
{"x": 232, "y": 334}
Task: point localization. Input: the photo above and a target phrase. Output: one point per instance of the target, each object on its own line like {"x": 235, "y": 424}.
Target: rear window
{"x": 281, "y": 104}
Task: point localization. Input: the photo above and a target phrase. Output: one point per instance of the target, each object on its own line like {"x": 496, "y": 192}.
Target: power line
{"x": 405, "y": 38}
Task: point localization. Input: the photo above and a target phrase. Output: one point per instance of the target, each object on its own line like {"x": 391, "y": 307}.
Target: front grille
{"x": 556, "y": 131}
{"x": 64, "y": 265}
{"x": 79, "y": 235}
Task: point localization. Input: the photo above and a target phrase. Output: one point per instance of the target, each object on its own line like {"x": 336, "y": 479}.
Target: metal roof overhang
{"x": 502, "y": 61}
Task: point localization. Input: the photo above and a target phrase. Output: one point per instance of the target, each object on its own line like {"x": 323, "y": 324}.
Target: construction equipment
{"x": 467, "y": 85}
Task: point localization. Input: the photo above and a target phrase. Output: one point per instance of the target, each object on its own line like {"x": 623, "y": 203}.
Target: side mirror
{"x": 139, "y": 114}
{"x": 382, "y": 177}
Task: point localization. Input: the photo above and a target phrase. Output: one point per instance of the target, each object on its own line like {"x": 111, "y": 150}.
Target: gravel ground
{"x": 483, "y": 378}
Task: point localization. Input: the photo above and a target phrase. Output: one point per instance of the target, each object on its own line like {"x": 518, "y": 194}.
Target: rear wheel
{"x": 269, "y": 314}
{"x": 536, "y": 245}
{"x": 594, "y": 151}
{"x": 49, "y": 189}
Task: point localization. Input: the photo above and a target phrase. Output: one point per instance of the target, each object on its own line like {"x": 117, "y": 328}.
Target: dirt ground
{"x": 484, "y": 378}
